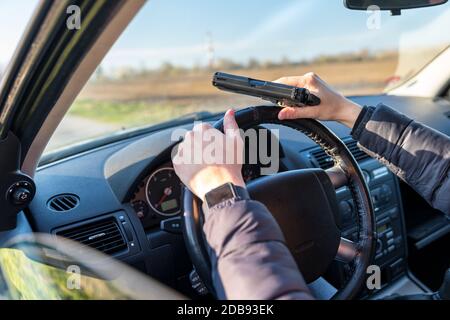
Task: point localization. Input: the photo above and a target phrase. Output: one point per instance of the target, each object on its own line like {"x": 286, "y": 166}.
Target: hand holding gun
{"x": 277, "y": 93}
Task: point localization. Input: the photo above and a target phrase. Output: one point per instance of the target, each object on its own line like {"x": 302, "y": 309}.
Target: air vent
{"x": 324, "y": 161}
{"x": 104, "y": 236}
{"x": 356, "y": 151}
{"x": 63, "y": 202}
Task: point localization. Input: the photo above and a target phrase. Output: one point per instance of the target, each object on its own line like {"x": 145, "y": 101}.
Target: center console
{"x": 391, "y": 251}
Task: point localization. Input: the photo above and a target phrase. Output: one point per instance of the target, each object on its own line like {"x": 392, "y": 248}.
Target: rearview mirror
{"x": 393, "y": 5}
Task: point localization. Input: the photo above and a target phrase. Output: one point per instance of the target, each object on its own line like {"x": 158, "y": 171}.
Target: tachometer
{"x": 163, "y": 192}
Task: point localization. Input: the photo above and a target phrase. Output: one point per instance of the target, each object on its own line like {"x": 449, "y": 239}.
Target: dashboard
{"x": 131, "y": 183}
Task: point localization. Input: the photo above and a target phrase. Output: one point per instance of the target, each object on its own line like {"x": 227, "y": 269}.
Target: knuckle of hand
{"x": 311, "y": 76}
{"x": 205, "y": 126}
{"x": 188, "y": 135}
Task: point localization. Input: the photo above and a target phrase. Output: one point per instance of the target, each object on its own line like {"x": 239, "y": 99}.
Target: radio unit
{"x": 390, "y": 253}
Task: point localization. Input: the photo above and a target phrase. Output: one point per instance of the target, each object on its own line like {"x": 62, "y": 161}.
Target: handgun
{"x": 277, "y": 93}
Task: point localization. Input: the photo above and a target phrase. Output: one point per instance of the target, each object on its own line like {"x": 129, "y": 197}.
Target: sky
{"x": 180, "y": 31}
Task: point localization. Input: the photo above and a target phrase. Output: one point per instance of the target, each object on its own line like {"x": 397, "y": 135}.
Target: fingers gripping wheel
{"x": 304, "y": 206}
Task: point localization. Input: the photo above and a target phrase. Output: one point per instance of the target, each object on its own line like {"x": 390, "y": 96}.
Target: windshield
{"x": 161, "y": 67}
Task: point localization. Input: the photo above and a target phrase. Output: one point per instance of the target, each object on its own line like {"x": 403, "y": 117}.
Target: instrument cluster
{"x": 158, "y": 196}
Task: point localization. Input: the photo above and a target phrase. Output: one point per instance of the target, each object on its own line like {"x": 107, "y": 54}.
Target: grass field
{"x": 27, "y": 279}
{"x": 157, "y": 97}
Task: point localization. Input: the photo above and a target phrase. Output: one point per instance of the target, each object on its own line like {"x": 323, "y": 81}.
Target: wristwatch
{"x": 227, "y": 191}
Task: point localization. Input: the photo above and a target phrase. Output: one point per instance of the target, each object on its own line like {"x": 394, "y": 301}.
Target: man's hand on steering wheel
{"x": 207, "y": 174}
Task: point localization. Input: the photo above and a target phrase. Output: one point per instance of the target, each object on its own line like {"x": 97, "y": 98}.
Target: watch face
{"x": 219, "y": 195}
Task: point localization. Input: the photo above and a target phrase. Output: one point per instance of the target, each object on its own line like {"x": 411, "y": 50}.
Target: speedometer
{"x": 163, "y": 192}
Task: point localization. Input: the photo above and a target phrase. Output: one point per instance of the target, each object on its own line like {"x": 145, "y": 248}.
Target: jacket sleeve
{"x": 249, "y": 257}
{"x": 417, "y": 154}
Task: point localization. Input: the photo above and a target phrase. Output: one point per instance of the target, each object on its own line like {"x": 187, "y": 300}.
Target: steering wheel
{"x": 304, "y": 204}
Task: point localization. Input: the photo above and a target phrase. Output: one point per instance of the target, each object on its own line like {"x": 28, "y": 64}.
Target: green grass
{"x": 27, "y": 279}
{"x": 129, "y": 114}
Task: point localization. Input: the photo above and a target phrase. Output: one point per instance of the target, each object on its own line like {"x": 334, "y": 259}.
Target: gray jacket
{"x": 248, "y": 253}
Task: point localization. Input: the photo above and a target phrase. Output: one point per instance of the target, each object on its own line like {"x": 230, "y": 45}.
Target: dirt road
{"x": 74, "y": 129}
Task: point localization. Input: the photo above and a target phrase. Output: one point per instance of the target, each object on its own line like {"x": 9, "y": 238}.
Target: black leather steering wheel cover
{"x": 333, "y": 146}
{"x": 192, "y": 223}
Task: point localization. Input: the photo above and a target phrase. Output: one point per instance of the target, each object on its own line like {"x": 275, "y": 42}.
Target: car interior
{"x": 110, "y": 193}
